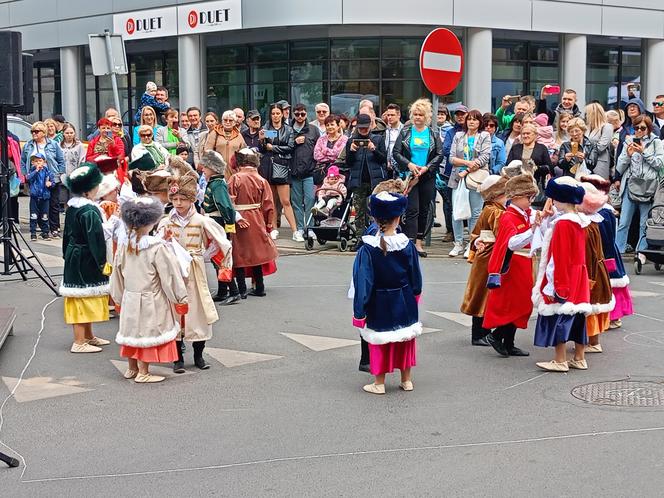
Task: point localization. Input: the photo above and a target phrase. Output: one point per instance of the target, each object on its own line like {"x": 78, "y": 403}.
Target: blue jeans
{"x": 39, "y": 209}
{"x": 302, "y": 199}
{"x": 476, "y": 204}
{"x": 626, "y": 213}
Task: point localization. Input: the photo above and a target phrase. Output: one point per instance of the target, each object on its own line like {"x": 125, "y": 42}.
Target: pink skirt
{"x": 385, "y": 358}
{"x": 166, "y": 353}
{"x": 623, "y": 303}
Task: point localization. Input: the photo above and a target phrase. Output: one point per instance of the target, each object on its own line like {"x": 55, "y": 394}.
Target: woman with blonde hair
{"x": 576, "y": 151}
{"x": 600, "y": 133}
{"x": 419, "y": 152}
{"x": 149, "y": 118}
{"x": 51, "y": 129}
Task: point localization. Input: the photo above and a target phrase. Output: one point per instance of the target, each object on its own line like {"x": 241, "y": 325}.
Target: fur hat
{"x": 107, "y": 185}
{"x": 493, "y": 187}
{"x": 522, "y": 185}
{"x": 387, "y": 206}
{"x": 106, "y": 164}
{"x": 83, "y": 179}
{"x": 141, "y": 212}
{"x": 178, "y": 167}
{"x": 185, "y": 185}
{"x": 157, "y": 181}
{"x": 565, "y": 189}
{"x": 211, "y": 159}
{"x": 396, "y": 186}
{"x": 512, "y": 169}
{"x": 247, "y": 157}
{"x": 144, "y": 163}
{"x": 593, "y": 200}
{"x": 599, "y": 182}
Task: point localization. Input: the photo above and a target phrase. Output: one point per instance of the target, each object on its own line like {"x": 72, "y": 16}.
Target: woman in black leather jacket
{"x": 277, "y": 157}
{"x": 418, "y": 152}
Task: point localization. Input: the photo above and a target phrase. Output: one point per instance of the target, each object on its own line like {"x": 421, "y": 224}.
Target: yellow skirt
{"x": 86, "y": 309}
{"x": 596, "y": 324}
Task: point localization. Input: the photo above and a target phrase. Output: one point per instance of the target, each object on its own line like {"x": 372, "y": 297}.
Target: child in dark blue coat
{"x": 388, "y": 285}
{"x": 40, "y": 178}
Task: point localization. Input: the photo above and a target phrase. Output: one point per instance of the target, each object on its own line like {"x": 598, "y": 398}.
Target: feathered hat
{"x": 108, "y": 184}
{"x": 493, "y": 187}
{"x": 396, "y": 186}
{"x": 522, "y": 185}
{"x": 185, "y": 185}
{"x": 83, "y": 179}
{"x": 157, "y": 181}
{"x": 247, "y": 157}
{"x": 600, "y": 183}
{"x": 513, "y": 169}
{"x": 211, "y": 159}
{"x": 565, "y": 189}
{"x": 141, "y": 212}
{"x": 387, "y": 206}
{"x": 593, "y": 200}
{"x": 178, "y": 167}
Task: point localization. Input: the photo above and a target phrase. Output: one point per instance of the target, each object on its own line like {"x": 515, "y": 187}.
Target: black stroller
{"x": 331, "y": 227}
{"x": 654, "y": 235}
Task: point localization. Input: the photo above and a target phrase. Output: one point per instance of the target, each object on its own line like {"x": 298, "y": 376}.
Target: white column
{"x": 478, "y": 67}
{"x": 574, "y": 66}
{"x": 191, "y": 71}
{"x": 73, "y": 93}
{"x": 653, "y": 71}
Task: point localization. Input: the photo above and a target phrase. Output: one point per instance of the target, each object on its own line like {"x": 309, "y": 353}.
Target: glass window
{"x": 269, "y": 52}
{"x": 405, "y": 68}
{"x": 269, "y": 73}
{"x": 508, "y": 71}
{"x": 507, "y": 50}
{"x": 346, "y": 95}
{"x": 501, "y": 88}
{"x": 363, "y": 48}
{"x": 354, "y": 70}
{"x": 308, "y": 50}
{"x": 631, "y": 57}
{"x": 223, "y": 97}
{"x": 402, "y": 48}
{"x": 227, "y": 76}
{"x": 599, "y": 54}
{"x": 308, "y": 71}
{"x": 309, "y": 94}
{"x": 403, "y": 93}
{"x": 544, "y": 73}
{"x": 223, "y": 56}
{"x": 602, "y": 73}
{"x": 265, "y": 94}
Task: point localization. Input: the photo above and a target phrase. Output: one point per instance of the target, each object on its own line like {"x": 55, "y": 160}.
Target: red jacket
{"x": 114, "y": 149}
{"x": 510, "y": 303}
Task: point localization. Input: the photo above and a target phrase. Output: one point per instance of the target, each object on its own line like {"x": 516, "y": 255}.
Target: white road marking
{"x": 460, "y": 318}
{"x": 526, "y": 381}
{"x": 231, "y": 358}
{"x": 320, "y": 343}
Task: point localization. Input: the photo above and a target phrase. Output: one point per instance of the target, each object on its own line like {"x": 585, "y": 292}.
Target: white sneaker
{"x": 456, "y": 250}
{"x": 466, "y": 253}
{"x": 274, "y": 234}
{"x": 298, "y": 237}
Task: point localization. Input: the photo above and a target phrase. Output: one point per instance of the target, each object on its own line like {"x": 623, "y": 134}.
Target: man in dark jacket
{"x": 302, "y": 169}
{"x": 365, "y": 159}
{"x": 567, "y": 104}
{"x": 253, "y": 133}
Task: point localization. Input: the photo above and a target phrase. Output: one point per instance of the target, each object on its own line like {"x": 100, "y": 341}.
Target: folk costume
{"x": 84, "y": 285}
{"x": 485, "y": 231}
{"x": 510, "y": 269}
{"x": 253, "y": 248}
{"x": 196, "y": 234}
{"x": 562, "y": 292}
{"x": 147, "y": 282}
{"x": 388, "y": 285}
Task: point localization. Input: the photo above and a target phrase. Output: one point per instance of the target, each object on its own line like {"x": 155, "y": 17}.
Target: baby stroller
{"x": 654, "y": 235}
{"x": 332, "y": 226}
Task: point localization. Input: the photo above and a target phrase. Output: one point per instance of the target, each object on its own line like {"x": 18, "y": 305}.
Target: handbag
{"x": 461, "y": 202}
{"x": 475, "y": 179}
{"x": 280, "y": 172}
{"x": 614, "y": 197}
{"x": 641, "y": 189}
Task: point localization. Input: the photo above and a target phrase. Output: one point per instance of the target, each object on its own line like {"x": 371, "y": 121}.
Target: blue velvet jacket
{"x": 607, "y": 230}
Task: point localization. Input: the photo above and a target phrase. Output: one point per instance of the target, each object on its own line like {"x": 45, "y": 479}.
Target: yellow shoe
{"x": 553, "y": 366}
{"x": 84, "y": 348}
{"x": 597, "y": 348}
{"x": 130, "y": 374}
{"x": 98, "y": 341}
{"x": 148, "y": 378}
{"x": 375, "y": 388}
{"x": 578, "y": 364}
{"x": 406, "y": 386}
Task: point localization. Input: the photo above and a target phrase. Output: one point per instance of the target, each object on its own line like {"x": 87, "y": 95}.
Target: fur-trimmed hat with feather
{"x": 522, "y": 185}
{"x": 212, "y": 160}
{"x": 493, "y": 187}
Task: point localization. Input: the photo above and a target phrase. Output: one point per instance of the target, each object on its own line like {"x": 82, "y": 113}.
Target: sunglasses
{"x": 299, "y": 114}
{"x": 489, "y": 125}
{"x": 36, "y": 131}
{"x": 116, "y": 125}
{"x": 641, "y": 128}
{"x": 145, "y": 135}
{"x": 658, "y": 104}
{"x": 255, "y": 118}
{"x": 322, "y": 111}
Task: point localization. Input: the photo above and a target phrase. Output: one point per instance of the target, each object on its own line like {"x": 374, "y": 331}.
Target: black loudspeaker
{"x": 27, "y": 107}
{"x": 11, "y": 75}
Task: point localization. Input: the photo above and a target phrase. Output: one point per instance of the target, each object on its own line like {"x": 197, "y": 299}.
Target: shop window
{"x": 308, "y": 71}
{"x": 224, "y": 56}
{"x": 401, "y": 69}
{"x": 354, "y": 70}
{"x": 263, "y": 95}
{"x": 270, "y": 52}
{"x": 223, "y": 97}
{"x": 610, "y": 70}
{"x": 362, "y": 48}
{"x": 269, "y": 73}
{"x": 309, "y": 50}
{"x": 402, "y": 48}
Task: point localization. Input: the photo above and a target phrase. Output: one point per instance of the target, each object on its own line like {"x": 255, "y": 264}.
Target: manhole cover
{"x": 621, "y": 393}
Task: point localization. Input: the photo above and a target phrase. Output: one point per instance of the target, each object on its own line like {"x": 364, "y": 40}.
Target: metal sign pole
{"x": 434, "y": 121}
{"x": 111, "y": 65}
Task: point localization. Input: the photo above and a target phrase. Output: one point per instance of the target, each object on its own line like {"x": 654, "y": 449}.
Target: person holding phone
{"x": 577, "y": 150}
{"x": 567, "y": 103}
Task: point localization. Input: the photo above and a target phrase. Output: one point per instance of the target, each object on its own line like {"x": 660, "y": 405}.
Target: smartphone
{"x": 514, "y": 98}
{"x": 636, "y": 140}
{"x": 361, "y": 142}
{"x": 575, "y": 147}
{"x": 271, "y": 134}
{"x": 553, "y": 89}
{"x": 109, "y": 134}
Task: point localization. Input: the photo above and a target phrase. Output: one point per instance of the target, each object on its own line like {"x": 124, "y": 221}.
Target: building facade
{"x": 249, "y": 53}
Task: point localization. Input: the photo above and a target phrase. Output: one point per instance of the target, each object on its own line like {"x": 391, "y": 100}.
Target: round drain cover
{"x": 622, "y": 393}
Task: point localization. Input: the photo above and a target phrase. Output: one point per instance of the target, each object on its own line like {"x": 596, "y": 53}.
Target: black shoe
{"x": 244, "y": 294}
{"x": 364, "y": 367}
{"x": 178, "y": 367}
{"x": 220, "y": 297}
{"x": 231, "y": 300}
{"x": 497, "y": 345}
{"x": 45, "y": 236}
{"x": 199, "y": 361}
{"x": 33, "y": 237}
{"x": 55, "y": 234}
{"x": 482, "y": 341}
{"x": 422, "y": 254}
{"x": 436, "y": 224}
{"x": 255, "y": 293}
{"x": 514, "y": 351}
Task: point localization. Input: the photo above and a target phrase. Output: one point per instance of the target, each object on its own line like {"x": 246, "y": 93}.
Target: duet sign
{"x": 208, "y": 17}
{"x": 153, "y": 23}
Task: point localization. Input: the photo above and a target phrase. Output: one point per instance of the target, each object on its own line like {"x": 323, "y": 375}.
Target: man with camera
{"x": 366, "y": 162}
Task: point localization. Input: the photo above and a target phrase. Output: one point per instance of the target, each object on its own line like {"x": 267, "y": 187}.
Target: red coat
{"x": 565, "y": 244}
{"x": 510, "y": 303}
{"x": 113, "y": 149}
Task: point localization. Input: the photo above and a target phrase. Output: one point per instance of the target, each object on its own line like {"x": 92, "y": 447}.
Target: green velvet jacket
{"x": 218, "y": 204}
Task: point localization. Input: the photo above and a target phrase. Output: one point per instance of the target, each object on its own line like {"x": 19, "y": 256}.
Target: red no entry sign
{"x": 441, "y": 61}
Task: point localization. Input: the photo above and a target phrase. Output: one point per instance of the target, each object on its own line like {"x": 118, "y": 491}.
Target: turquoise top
{"x": 419, "y": 146}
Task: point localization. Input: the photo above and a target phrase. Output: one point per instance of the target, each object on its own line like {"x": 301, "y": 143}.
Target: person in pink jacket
{"x": 329, "y": 146}
{"x": 331, "y": 193}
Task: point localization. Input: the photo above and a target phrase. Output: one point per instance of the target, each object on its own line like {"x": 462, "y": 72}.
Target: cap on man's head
{"x": 363, "y": 121}
{"x": 461, "y": 108}
{"x": 253, "y": 113}
{"x": 284, "y": 104}
{"x": 59, "y": 118}
{"x": 37, "y": 155}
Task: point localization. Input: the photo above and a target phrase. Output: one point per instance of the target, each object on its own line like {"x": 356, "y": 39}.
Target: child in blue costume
{"x": 388, "y": 285}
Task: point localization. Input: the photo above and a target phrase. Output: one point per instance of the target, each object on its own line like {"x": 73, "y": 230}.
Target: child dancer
{"x": 612, "y": 258}
{"x": 482, "y": 241}
{"x": 195, "y": 233}
{"x": 510, "y": 280}
{"x": 601, "y": 297}
{"x": 561, "y": 293}
{"x": 84, "y": 283}
{"x": 388, "y": 285}
{"x": 252, "y": 245}
{"x": 147, "y": 282}
{"x": 331, "y": 192}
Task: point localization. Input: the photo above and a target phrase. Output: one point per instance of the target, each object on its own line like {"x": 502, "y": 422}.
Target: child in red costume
{"x": 510, "y": 268}
{"x": 562, "y": 291}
